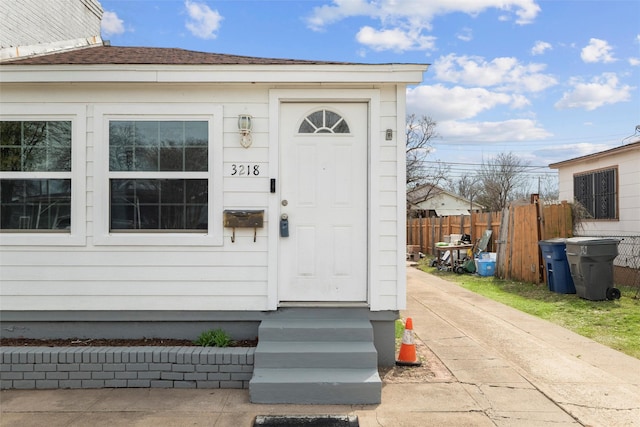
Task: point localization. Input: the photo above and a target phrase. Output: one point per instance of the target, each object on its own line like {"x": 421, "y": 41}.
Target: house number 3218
{"x": 245, "y": 170}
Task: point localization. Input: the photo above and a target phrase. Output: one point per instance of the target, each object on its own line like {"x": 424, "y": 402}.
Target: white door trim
{"x": 278, "y": 96}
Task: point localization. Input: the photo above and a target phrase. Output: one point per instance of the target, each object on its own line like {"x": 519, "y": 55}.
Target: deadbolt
{"x": 285, "y": 203}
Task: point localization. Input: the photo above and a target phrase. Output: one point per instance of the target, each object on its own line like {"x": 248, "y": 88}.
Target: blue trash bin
{"x": 555, "y": 262}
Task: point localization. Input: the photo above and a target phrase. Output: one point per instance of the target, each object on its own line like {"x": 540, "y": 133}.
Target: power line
{"x": 478, "y": 164}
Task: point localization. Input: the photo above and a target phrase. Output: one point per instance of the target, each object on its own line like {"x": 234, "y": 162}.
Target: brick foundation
{"x": 125, "y": 367}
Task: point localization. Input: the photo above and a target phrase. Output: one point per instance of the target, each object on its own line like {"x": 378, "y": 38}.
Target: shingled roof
{"x": 151, "y": 55}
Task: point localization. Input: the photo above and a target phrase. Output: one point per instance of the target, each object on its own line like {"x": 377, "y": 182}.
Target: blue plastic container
{"x": 555, "y": 262}
{"x": 486, "y": 267}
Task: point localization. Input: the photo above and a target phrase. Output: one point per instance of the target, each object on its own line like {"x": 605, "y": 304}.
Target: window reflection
{"x": 159, "y": 204}
{"x": 35, "y": 204}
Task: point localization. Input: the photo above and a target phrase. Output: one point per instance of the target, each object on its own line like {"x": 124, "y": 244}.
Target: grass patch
{"x": 399, "y": 329}
{"x": 214, "y": 338}
{"x": 611, "y": 323}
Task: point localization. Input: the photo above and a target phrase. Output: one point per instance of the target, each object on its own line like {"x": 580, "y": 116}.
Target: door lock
{"x": 284, "y": 225}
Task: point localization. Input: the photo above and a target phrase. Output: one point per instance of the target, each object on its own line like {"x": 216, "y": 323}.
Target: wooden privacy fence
{"x": 516, "y": 232}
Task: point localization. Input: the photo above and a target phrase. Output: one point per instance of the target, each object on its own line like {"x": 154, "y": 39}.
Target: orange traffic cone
{"x": 407, "y": 355}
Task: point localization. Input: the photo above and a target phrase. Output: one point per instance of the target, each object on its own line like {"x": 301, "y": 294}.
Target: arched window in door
{"x": 324, "y": 121}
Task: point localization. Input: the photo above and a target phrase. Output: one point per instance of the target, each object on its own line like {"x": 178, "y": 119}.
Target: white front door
{"x": 323, "y": 191}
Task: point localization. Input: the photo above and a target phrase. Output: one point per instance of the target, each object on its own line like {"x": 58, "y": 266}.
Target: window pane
{"x": 159, "y": 204}
{"x": 172, "y": 191}
{"x": 31, "y": 146}
{"x": 158, "y": 146}
{"x": 196, "y": 133}
{"x": 331, "y": 118}
{"x": 324, "y": 121}
{"x": 34, "y": 159}
{"x": 145, "y": 159}
{"x": 196, "y": 159}
{"x": 305, "y": 127}
{"x": 316, "y": 119}
{"x": 341, "y": 127}
{"x": 146, "y": 133}
{"x": 171, "y": 159}
{"x": 35, "y": 204}
{"x": 172, "y": 134}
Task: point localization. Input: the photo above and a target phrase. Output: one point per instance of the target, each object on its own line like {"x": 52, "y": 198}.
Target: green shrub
{"x": 214, "y": 338}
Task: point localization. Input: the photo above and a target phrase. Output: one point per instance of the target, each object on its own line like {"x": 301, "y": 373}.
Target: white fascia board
{"x": 388, "y": 73}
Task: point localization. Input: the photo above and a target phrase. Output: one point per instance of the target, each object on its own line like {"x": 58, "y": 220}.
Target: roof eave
{"x": 235, "y": 73}
{"x": 601, "y": 154}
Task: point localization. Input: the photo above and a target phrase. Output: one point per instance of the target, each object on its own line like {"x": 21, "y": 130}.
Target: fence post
{"x": 433, "y": 237}
{"x": 535, "y": 199}
{"x": 420, "y": 232}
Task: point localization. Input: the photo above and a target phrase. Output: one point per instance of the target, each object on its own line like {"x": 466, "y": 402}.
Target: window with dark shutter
{"x": 597, "y": 191}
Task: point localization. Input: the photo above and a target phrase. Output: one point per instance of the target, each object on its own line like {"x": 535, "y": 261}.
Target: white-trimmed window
{"x": 42, "y": 175}
{"x": 160, "y": 173}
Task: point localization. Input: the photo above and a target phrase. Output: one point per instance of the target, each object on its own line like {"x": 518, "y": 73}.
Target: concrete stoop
{"x": 316, "y": 361}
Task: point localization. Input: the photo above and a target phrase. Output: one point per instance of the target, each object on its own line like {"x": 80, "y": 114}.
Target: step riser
{"x": 316, "y": 333}
{"x": 316, "y": 393}
{"x": 315, "y": 360}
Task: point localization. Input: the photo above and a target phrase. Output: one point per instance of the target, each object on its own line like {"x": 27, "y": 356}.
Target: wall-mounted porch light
{"x": 244, "y": 126}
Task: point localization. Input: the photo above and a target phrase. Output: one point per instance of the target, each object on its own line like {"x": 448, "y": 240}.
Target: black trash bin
{"x": 555, "y": 262}
{"x": 591, "y": 265}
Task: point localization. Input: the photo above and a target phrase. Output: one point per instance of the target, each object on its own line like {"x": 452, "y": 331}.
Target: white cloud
{"x": 540, "y": 47}
{"x": 454, "y": 108}
{"x": 203, "y": 22}
{"x": 111, "y": 24}
{"x": 559, "y": 152}
{"x": 601, "y": 90}
{"x": 505, "y": 73}
{"x": 396, "y": 39}
{"x": 466, "y": 35}
{"x": 412, "y": 17}
{"x": 634, "y": 61}
{"x": 597, "y": 51}
{"x": 457, "y": 103}
{"x": 504, "y": 131}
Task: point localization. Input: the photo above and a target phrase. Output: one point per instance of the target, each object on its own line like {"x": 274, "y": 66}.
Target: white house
{"x": 607, "y": 184}
{"x": 428, "y": 201}
{"x": 161, "y": 192}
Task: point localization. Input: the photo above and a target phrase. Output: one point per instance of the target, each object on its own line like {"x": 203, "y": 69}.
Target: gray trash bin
{"x": 591, "y": 265}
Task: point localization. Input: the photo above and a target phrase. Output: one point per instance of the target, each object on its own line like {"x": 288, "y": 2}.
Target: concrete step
{"x": 316, "y": 330}
{"x": 304, "y": 354}
{"x": 315, "y": 386}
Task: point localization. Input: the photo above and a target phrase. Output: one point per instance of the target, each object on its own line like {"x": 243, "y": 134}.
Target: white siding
{"x": 225, "y": 276}
{"x": 628, "y": 191}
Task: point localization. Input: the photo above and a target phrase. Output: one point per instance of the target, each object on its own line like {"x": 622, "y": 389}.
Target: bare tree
{"x": 467, "y": 186}
{"x": 501, "y": 178}
{"x": 548, "y": 187}
{"x": 419, "y": 133}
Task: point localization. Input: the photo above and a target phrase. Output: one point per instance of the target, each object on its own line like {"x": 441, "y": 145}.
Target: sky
{"x": 545, "y": 80}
